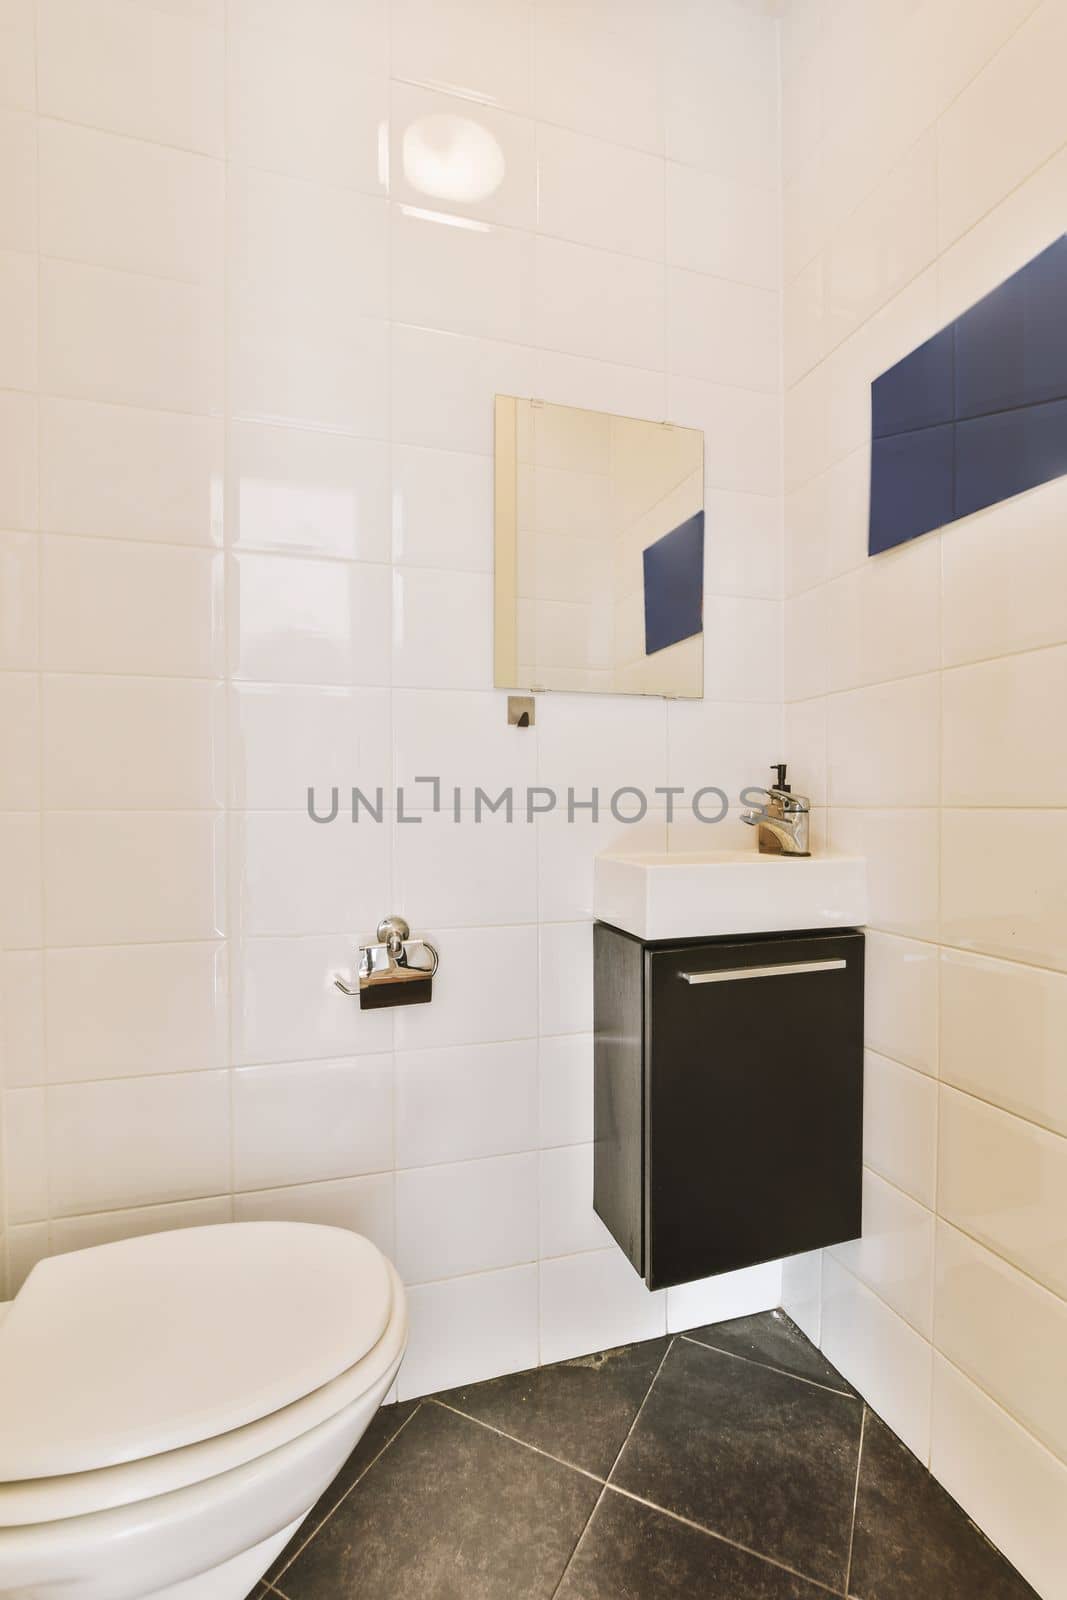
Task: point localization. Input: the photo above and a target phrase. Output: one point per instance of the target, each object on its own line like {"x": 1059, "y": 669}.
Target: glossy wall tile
{"x": 1003, "y": 1181}
{"x": 308, "y": 97}
{"x": 245, "y": 481}
{"x": 978, "y": 1299}
{"x": 1000, "y": 1032}
{"x": 923, "y": 255}
{"x": 120, "y": 472}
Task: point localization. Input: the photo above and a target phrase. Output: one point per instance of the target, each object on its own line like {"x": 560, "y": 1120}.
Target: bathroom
{"x": 270, "y": 275}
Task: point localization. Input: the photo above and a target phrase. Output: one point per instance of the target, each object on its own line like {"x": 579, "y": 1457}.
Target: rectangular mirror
{"x": 599, "y": 552}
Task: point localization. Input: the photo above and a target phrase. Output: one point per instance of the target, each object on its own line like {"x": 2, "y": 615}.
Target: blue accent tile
{"x": 1006, "y": 453}
{"x": 1011, "y": 348}
{"x": 1045, "y": 331}
{"x": 919, "y": 391}
{"x": 911, "y": 485}
{"x": 1002, "y": 429}
{"x": 990, "y": 374}
{"x": 674, "y": 585}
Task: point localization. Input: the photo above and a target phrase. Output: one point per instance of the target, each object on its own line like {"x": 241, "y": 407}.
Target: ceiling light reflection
{"x": 452, "y": 158}
{"x": 444, "y": 216}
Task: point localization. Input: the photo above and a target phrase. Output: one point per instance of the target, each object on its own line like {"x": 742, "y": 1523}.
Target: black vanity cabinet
{"x": 728, "y": 1097}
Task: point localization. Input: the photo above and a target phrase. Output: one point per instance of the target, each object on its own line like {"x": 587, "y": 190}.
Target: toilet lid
{"x": 125, "y": 1350}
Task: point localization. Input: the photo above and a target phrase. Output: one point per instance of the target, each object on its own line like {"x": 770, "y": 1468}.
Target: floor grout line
{"x": 698, "y": 1527}
{"x": 753, "y": 1361}
{"x": 614, "y": 1464}
{"x": 605, "y": 1485}
{"x": 358, "y": 1480}
{"x": 855, "y": 1501}
{"x": 641, "y": 1407}
{"x": 578, "y": 1542}
{"x": 269, "y": 1589}
{"x": 686, "y": 1521}
{"x": 628, "y": 1494}
{"x": 511, "y": 1439}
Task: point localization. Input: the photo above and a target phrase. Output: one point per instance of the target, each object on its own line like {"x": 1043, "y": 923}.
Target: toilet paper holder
{"x": 396, "y": 971}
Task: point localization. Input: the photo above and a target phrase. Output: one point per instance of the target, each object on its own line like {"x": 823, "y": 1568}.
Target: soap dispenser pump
{"x": 782, "y": 824}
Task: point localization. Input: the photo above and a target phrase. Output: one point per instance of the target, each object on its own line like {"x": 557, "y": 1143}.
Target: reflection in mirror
{"x": 599, "y": 552}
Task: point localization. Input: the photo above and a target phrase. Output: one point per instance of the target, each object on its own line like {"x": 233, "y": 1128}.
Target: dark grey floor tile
{"x": 750, "y": 1453}
{"x": 383, "y": 1426}
{"x": 630, "y": 1552}
{"x": 775, "y": 1340}
{"x": 451, "y": 1511}
{"x": 912, "y": 1541}
{"x": 580, "y": 1411}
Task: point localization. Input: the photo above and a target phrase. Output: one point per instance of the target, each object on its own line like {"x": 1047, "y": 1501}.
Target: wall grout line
{"x": 942, "y": 247}
{"x": 933, "y": 670}
{"x": 453, "y": 92}
{"x": 934, "y": 1350}
{"x": 933, "y": 127}
{"x": 531, "y": 42}
{"x": 942, "y": 1082}
{"x": 999, "y": 1405}
{"x": 42, "y": 731}
{"x": 230, "y": 918}
{"x": 1024, "y": 1272}
{"x": 388, "y": 184}
{"x": 931, "y": 1290}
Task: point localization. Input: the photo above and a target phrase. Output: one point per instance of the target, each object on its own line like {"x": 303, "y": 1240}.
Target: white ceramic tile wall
{"x": 248, "y": 349}
{"x": 245, "y": 436}
{"x": 923, "y": 693}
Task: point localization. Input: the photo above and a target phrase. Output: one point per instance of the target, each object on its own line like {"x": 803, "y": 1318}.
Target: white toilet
{"x": 171, "y": 1407}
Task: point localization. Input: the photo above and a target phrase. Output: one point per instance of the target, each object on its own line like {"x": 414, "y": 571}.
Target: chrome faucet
{"x": 782, "y": 823}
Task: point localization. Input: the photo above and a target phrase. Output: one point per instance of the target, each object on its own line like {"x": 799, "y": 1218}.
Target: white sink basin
{"x": 701, "y": 895}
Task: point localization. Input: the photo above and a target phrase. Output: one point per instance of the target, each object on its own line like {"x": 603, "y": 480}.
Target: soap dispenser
{"x": 782, "y": 824}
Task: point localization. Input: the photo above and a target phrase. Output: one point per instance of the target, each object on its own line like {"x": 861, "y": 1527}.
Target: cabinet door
{"x": 754, "y": 1102}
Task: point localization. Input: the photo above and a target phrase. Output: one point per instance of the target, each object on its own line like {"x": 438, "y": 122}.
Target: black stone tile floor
{"x": 727, "y": 1463}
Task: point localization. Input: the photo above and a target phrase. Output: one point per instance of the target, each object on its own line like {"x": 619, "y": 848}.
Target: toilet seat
{"x": 358, "y": 1312}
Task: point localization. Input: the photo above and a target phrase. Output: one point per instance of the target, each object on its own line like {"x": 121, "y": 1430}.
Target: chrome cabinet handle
{"x": 736, "y": 974}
